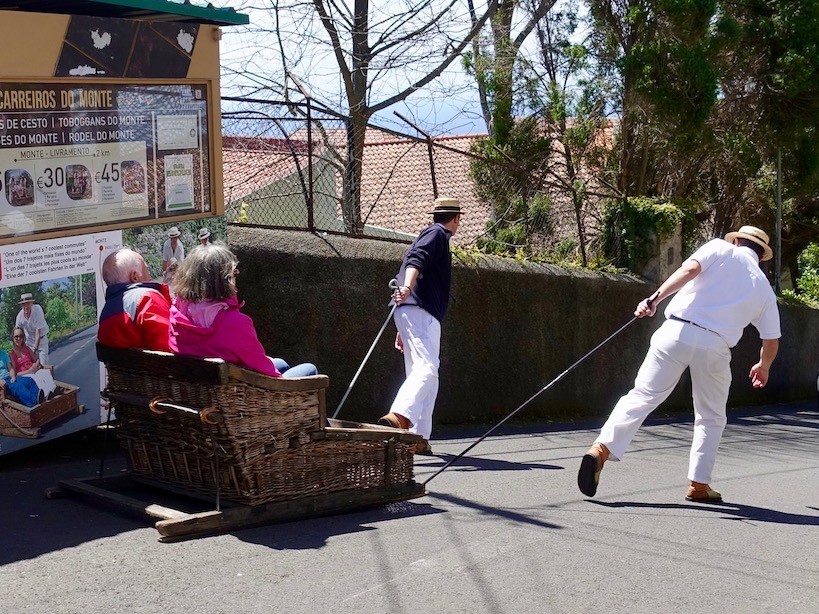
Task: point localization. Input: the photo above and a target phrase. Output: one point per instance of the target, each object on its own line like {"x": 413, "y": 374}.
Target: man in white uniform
{"x": 32, "y": 320}
{"x": 172, "y": 248}
{"x": 719, "y": 290}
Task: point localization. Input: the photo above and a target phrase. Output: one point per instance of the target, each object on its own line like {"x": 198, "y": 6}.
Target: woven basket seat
{"x": 204, "y": 425}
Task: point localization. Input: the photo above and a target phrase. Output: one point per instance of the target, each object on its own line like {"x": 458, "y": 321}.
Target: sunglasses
{"x": 18, "y": 336}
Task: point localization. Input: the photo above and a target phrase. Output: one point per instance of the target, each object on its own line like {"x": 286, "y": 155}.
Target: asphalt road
{"x": 504, "y": 531}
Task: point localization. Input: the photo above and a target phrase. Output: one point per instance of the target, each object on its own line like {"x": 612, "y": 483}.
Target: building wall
{"x": 511, "y": 329}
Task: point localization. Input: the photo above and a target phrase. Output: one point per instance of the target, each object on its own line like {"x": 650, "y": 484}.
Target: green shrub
{"x": 632, "y": 226}
{"x": 807, "y": 283}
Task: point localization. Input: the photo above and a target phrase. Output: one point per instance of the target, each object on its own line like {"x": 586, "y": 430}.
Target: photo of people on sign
{"x": 19, "y": 188}
{"x": 133, "y": 177}
{"x": 76, "y": 155}
{"x": 78, "y": 182}
{"x": 33, "y": 394}
{"x": 51, "y": 293}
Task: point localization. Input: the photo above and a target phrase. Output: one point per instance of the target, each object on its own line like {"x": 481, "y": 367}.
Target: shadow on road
{"x": 313, "y": 534}
{"x": 471, "y": 463}
{"x": 496, "y": 511}
{"x": 32, "y": 525}
{"x": 730, "y": 511}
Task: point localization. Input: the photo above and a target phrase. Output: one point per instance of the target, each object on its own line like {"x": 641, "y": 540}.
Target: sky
{"x": 438, "y": 113}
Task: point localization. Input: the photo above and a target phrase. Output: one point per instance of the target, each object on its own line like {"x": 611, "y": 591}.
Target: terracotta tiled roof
{"x": 250, "y": 163}
{"x": 396, "y": 188}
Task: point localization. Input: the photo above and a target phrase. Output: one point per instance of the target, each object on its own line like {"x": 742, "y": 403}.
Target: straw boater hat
{"x": 173, "y": 232}
{"x": 444, "y": 204}
{"x": 752, "y": 233}
{"x": 26, "y": 298}
{"x": 204, "y": 233}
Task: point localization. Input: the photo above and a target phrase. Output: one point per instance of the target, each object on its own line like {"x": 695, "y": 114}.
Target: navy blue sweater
{"x": 430, "y": 254}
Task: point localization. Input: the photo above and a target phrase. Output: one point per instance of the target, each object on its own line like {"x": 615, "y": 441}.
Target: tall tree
{"x": 494, "y": 57}
{"x": 572, "y": 103}
{"x": 770, "y": 81}
{"x": 382, "y": 53}
{"x": 660, "y": 55}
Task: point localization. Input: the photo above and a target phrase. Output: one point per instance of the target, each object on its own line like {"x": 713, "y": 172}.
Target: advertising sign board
{"x": 75, "y": 155}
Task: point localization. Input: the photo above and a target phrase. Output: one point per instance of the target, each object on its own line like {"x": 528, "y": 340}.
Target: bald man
{"x": 137, "y": 310}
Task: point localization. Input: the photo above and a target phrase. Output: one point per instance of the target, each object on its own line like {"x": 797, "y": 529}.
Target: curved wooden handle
{"x": 153, "y": 405}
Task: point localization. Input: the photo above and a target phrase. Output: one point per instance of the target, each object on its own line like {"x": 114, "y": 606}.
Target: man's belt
{"x": 678, "y": 319}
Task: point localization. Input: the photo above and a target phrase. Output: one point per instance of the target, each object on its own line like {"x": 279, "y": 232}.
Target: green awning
{"x": 144, "y": 10}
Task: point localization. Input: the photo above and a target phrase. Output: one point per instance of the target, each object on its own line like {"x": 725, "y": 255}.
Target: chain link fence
{"x": 281, "y": 165}
{"x": 284, "y": 166}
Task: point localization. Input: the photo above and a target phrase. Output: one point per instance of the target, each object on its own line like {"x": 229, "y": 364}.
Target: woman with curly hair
{"x": 205, "y": 316}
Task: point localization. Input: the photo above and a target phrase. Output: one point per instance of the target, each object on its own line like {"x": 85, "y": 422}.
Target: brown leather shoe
{"x": 590, "y": 467}
{"x": 423, "y": 448}
{"x": 396, "y": 421}
{"x": 702, "y": 493}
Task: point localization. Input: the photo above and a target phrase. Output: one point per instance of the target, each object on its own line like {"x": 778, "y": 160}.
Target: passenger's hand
{"x": 399, "y": 343}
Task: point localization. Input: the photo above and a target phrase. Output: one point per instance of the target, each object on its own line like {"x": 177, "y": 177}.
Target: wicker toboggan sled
{"x": 18, "y": 420}
{"x": 258, "y": 447}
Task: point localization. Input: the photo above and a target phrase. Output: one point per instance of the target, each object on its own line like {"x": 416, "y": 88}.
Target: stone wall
{"x": 511, "y": 329}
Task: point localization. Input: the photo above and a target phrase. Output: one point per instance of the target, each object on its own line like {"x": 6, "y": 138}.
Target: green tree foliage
{"x": 770, "y": 75}
{"x": 632, "y": 227}
{"x": 808, "y": 281}
{"x": 509, "y": 178}
{"x": 705, "y": 94}
{"x": 57, "y": 314}
{"x": 658, "y": 54}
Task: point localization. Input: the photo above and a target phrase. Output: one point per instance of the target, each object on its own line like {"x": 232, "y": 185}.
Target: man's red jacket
{"x": 136, "y": 316}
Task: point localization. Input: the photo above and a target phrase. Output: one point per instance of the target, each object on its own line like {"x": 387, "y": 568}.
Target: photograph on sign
{"x": 51, "y": 293}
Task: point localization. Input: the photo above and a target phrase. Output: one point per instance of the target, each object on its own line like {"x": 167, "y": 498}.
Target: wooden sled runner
{"x": 258, "y": 447}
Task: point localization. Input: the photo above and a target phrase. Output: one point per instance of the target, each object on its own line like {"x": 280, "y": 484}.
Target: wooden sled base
{"x": 176, "y": 525}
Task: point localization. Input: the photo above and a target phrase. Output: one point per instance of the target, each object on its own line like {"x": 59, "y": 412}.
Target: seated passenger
{"x": 137, "y": 310}
{"x": 23, "y": 389}
{"x": 205, "y": 316}
{"x": 24, "y": 364}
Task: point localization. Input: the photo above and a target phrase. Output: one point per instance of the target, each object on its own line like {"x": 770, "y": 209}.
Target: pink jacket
{"x": 218, "y": 330}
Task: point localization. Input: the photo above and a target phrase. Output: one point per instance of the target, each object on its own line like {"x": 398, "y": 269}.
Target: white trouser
{"x": 44, "y": 380}
{"x": 42, "y": 351}
{"x": 421, "y": 334}
{"x": 674, "y": 347}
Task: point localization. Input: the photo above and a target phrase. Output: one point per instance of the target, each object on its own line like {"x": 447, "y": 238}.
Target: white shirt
{"x": 730, "y": 292}
{"x": 168, "y": 253}
{"x": 31, "y": 324}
